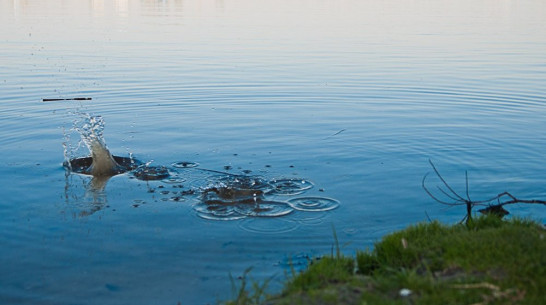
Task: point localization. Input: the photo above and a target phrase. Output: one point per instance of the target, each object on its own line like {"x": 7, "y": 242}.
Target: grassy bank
{"x": 490, "y": 261}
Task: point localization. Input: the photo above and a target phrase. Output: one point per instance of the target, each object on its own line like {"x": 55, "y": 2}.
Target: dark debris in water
{"x": 231, "y": 195}
{"x": 82, "y": 165}
{"x": 147, "y": 172}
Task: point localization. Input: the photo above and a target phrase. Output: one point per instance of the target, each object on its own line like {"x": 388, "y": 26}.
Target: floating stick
{"x": 66, "y": 99}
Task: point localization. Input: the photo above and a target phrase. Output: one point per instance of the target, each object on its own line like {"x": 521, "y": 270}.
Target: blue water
{"x": 355, "y": 96}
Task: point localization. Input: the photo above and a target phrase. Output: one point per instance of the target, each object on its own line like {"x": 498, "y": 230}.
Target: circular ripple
{"x": 173, "y": 179}
{"x": 264, "y": 209}
{"x": 273, "y": 225}
{"x": 217, "y": 212}
{"x": 290, "y": 186}
{"x": 242, "y": 182}
{"x": 185, "y": 164}
{"x": 313, "y": 204}
{"x": 308, "y": 219}
{"x": 220, "y": 217}
{"x": 151, "y": 173}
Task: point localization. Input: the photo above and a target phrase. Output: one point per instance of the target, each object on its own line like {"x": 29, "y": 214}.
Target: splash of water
{"x": 103, "y": 161}
{"x": 100, "y": 163}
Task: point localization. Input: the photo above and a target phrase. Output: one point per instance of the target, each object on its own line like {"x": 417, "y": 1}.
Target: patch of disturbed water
{"x": 215, "y": 195}
{"x": 220, "y": 195}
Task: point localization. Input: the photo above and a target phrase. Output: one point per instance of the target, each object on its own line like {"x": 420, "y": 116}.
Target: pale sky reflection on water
{"x": 407, "y": 20}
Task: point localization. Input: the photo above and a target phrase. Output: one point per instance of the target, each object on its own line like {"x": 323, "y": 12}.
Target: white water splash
{"x": 91, "y": 130}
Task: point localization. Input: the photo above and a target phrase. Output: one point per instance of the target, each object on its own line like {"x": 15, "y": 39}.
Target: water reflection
{"x": 92, "y": 199}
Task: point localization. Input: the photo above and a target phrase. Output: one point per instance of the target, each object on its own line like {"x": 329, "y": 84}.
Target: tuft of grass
{"x": 487, "y": 243}
{"x": 328, "y": 270}
{"x": 243, "y": 296}
{"x": 487, "y": 261}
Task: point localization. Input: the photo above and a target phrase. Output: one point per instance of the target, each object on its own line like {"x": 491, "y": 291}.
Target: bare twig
{"x": 494, "y": 205}
{"x": 66, "y": 99}
{"x": 335, "y": 134}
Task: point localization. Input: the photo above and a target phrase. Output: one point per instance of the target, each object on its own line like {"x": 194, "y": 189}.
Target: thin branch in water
{"x": 466, "y": 179}
{"x": 428, "y": 217}
{"x": 448, "y": 195}
{"x": 444, "y": 182}
{"x": 335, "y": 134}
{"x": 431, "y": 195}
{"x": 497, "y": 208}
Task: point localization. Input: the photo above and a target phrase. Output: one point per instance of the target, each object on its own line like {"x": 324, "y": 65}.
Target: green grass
{"x": 490, "y": 261}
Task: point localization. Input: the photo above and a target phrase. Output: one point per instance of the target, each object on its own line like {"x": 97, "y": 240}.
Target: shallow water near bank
{"x": 350, "y": 97}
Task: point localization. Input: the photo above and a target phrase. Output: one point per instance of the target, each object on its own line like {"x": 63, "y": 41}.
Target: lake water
{"x": 352, "y": 96}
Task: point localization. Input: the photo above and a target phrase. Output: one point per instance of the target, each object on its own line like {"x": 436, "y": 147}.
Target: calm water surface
{"x": 354, "y": 96}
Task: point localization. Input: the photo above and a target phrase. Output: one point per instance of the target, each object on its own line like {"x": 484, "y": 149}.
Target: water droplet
{"x": 290, "y": 186}
{"x": 185, "y": 164}
{"x": 242, "y": 182}
{"x": 174, "y": 180}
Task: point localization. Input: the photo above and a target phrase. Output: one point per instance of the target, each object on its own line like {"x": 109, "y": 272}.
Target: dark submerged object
{"x": 232, "y": 195}
{"x": 146, "y": 172}
{"x": 83, "y": 165}
{"x": 231, "y": 202}
{"x": 496, "y": 210}
{"x": 123, "y": 164}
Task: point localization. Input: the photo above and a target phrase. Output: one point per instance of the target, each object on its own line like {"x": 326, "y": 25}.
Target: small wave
{"x": 269, "y": 225}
